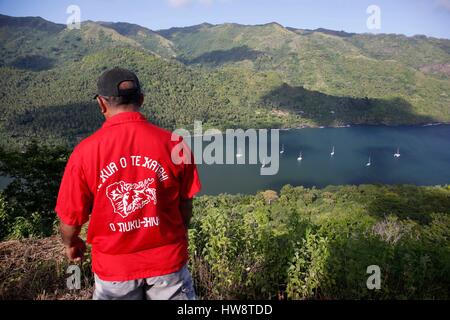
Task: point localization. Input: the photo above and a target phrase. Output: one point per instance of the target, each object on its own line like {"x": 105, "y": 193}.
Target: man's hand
{"x": 75, "y": 246}
{"x": 75, "y": 252}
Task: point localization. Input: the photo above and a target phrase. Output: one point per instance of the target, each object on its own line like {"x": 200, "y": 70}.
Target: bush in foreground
{"x": 302, "y": 244}
{"x": 317, "y": 244}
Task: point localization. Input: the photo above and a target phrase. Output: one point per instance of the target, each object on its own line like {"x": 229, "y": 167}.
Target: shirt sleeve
{"x": 190, "y": 181}
{"x": 75, "y": 200}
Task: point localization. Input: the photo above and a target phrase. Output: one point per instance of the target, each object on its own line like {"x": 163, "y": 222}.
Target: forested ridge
{"x": 226, "y": 75}
{"x": 297, "y": 243}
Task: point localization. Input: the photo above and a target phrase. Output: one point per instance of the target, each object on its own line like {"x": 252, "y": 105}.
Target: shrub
{"x": 308, "y": 268}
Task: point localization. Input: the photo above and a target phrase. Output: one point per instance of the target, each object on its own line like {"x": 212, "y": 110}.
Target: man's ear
{"x": 102, "y": 105}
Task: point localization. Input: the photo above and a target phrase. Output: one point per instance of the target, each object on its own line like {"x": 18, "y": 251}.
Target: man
{"x": 138, "y": 201}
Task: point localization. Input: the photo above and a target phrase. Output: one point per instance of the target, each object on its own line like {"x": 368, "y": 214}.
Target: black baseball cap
{"x": 108, "y": 84}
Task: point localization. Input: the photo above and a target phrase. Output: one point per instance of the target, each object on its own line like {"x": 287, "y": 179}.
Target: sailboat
{"x": 239, "y": 153}
{"x": 300, "y": 157}
{"x": 263, "y": 163}
{"x": 368, "y": 164}
{"x": 282, "y": 149}
{"x": 332, "y": 152}
{"x": 397, "y": 154}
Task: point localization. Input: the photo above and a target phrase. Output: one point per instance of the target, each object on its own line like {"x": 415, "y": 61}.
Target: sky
{"x": 409, "y": 17}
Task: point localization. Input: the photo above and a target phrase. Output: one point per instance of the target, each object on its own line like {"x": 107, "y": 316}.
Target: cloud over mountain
{"x": 183, "y": 3}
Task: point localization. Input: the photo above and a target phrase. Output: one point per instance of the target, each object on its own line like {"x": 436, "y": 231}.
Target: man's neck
{"x": 119, "y": 110}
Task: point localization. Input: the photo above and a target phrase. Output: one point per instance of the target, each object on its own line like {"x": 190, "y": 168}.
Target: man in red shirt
{"x": 138, "y": 201}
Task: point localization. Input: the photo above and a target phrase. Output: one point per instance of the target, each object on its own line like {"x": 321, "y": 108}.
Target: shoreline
{"x": 419, "y": 125}
{"x": 430, "y": 124}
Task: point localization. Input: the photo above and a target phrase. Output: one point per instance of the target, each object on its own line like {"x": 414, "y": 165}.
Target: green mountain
{"x": 227, "y": 75}
{"x": 37, "y": 45}
{"x": 416, "y": 69}
{"x": 298, "y": 244}
{"x": 145, "y": 37}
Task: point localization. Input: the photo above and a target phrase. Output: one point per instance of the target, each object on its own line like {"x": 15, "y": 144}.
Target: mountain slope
{"x": 31, "y": 44}
{"x": 415, "y": 69}
{"x": 145, "y": 37}
{"x": 57, "y": 104}
{"x": 226, "y": 75}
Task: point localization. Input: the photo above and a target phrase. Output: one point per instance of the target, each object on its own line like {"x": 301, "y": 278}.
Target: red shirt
{"x": 123, "y": 179}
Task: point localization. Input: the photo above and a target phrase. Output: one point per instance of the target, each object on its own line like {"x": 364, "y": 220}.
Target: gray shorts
{"x": 174, "y": 286}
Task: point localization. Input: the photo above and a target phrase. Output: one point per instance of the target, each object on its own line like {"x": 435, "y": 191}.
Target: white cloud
{"x": 182, "y": 3}
{"x": 445, "y": 4}
{"x": 178, "y": 3}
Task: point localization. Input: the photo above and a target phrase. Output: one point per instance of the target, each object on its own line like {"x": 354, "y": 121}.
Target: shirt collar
{"x": 123, "y": 117}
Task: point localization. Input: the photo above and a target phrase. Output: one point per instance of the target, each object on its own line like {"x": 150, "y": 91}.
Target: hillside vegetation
{"x": 306, "y": 244}
{"x": 298, "y": 244}
{"x": 226, "y": 75}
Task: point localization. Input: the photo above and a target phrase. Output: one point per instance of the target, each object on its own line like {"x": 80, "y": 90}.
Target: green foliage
{"x": 176, "y": 96}
{"x": 393, "y": 68}
{"x": 244, "y": 247}
{"x": 302, "y": 244}
{"x": 305, "y": 244}
{"x": 36, "y": 172}
{"x": 31, "y": 226}
{"x": 317, "y": 244}
{"x": 307, "y": 269}
{"x": 226, "y": 76}
{"x": 3, "y": 216}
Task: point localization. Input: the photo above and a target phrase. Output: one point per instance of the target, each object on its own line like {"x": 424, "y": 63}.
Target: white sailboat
{"x": 282, "y": 149}
{"x": 397, "y": 154}
{"x": 332, "y": 152}
{"x": 263, "y": 163}
{"x": 300, "y": 157}
{"x": 368, "y": 164}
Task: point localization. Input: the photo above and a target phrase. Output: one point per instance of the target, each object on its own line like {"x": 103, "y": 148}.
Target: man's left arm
{"x": 186, "y": 211}
{"x": 190, "y": 185}
{"x": 73, "y": 207}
